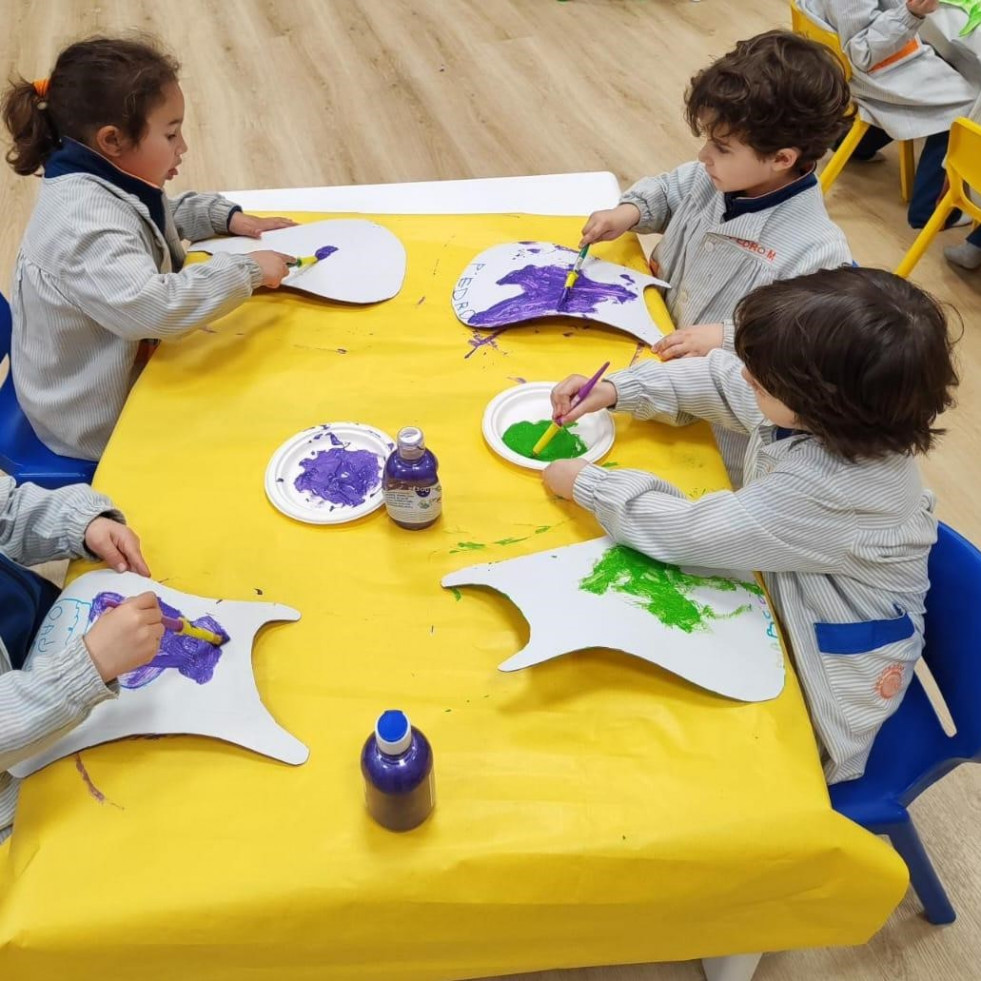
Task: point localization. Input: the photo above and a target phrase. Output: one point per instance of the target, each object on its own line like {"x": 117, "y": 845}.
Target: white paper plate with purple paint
{"x": 509, "y": 417}
{"x": 329, "y": 474}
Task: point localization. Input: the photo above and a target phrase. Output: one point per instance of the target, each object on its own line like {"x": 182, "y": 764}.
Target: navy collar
{"x": 73, "y": 157}
{"x": 782, "y": 432}
{"x": 736, "y": 205}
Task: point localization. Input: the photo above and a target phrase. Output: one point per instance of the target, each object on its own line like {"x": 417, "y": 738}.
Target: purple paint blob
{"x": 541, "y": 287}
{"x": 324, "y": 251}
{"x": 195, "y": 659}
{"x": 340, "y": 475}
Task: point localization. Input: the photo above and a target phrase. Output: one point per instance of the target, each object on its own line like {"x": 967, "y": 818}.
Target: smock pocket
{"x": 868, "y": 666}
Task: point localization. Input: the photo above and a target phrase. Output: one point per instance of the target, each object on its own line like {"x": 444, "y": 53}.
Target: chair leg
{"x": 840, "y": 157}
{"x": 907, "y": 169}
{"x": 921, "y": 872}
{"x": 937, "y": 221}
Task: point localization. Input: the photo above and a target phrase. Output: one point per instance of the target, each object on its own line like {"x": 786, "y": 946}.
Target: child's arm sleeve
{"x": 870, "y": 34}
{"x": 54, "y": 693}
{"x": 199, "y": 216}
{"x": 112, "y": 278}
{"x": 776, "y": 524}
{"x": 658, "y": 198}
{"x": 37, "y": 525}
{"x": 679, "y": 392}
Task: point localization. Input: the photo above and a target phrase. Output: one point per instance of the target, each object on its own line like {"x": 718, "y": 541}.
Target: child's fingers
{"x": 146, "y": 603}
{"x": 129, "y": 545}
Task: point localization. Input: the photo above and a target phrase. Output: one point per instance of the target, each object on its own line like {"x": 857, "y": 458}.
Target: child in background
{"x": 42, "y": 699}
{"x": 101, "y": 265}
{"x": 843, "y": 374}
{"x": 750, "y": 210}
{"x": 901, "y": 85}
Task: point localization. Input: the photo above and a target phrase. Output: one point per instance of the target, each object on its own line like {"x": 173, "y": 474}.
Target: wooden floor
{"x": 314, "y": 92}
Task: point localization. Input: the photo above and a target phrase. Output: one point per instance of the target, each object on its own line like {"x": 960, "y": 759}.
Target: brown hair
{"x": 97, "y": 82}
{"x": 860, "y": 356}
{"x": 777, "y": 90}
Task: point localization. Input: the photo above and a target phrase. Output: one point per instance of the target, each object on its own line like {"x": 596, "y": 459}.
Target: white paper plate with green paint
{"x": 329, "y": 474}
{"x": 515, "y": 419}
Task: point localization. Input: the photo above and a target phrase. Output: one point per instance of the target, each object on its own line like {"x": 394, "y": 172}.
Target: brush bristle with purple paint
{"x": 309, "y": 260}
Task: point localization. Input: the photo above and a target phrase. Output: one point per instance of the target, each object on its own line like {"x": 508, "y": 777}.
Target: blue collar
{"x": 782, "y": 432}
{"x": 736, "y": 205}
{"x": 73, "y": 157}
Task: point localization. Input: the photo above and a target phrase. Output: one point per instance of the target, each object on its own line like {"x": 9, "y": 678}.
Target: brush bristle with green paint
{"x": 570, "y": 280}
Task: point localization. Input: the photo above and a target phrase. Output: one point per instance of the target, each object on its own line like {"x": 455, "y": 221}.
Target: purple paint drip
{"x": 340, "y": 475}
{"x": 541, "y": 287}
{"x": 193, "y": 658}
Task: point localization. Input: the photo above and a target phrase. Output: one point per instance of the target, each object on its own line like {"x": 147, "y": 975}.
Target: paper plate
{"x": 306, "y": 505}
{"x": 531, "y": 402}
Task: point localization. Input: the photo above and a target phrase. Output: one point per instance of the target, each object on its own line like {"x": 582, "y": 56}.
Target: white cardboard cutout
{"x": 732, "y": 649}
{"x": 520, "y": 281}
{"x": 368, "y": 266}
{"x": 226, "y": 707}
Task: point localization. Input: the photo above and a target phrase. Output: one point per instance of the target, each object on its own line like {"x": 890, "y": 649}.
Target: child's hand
{"x": 116, "y": 545}
{"x": 127, "y": 637}
{"x": 253, "y": 227}
{"x": 603, "y": 395}
{"x": 604, "y": 226}
{"x": 922, "y": 7}
{"x": 561, "y": 475}
{"x": 273, "y": 266}
{"x": 690, "y": 342}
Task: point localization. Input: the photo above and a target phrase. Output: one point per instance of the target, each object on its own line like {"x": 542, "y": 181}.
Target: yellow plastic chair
{"x": 963, "y": 173}
{"x": 802, "y": 24}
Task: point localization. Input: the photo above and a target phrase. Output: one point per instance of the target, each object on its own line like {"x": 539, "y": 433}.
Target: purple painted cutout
{"x": 339, "y": 475}
{"x": 195, "y": 659}
{"x": 541, "y": 287}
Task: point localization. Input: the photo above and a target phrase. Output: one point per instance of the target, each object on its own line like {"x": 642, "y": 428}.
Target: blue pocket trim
{"x": 860, "y": 638}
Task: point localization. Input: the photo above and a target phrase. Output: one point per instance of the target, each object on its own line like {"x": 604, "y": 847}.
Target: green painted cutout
{"x": 662, "y": 589}
{"x": 522, "y": 437}
{"x": 972, "y": 10}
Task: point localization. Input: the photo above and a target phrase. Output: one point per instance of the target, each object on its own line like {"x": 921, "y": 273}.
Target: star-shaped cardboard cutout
{"x": 190, "y": 687}
{"x": 521, "y": 281}
{"x": 711, "y": 627}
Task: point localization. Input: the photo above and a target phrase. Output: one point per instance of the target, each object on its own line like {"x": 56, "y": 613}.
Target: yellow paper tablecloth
{"x": 593, "y": 809}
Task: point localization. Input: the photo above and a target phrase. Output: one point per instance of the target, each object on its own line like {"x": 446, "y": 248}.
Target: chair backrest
{"x": 964, "y": 163}
{"x": 5, "y": 327}
{"x": 804, "y": 23}
{"x": 912, "y": 750}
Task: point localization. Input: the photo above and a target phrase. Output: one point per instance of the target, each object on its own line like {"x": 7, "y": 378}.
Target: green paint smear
{"x": 510, "y": 541}
{"x": 456, "y": 592}
{"x": 609, "y": 466}
{"x": 663, "y": 589}
{"x": 467, "y": 547}
{"x": 522, "y": 437}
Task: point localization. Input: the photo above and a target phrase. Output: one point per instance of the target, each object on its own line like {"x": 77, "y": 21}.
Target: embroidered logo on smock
{"x": 890, "y": 681}
{"x": 761, "y": 250}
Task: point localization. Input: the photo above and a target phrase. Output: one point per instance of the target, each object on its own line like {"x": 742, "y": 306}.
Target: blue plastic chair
{"x": 22, "y": 454}
{"x": 911, "y": 750}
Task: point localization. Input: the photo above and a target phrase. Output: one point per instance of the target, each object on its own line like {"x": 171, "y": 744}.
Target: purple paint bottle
{"x": 397, "y": 764}
{"x": 413, "y": 496}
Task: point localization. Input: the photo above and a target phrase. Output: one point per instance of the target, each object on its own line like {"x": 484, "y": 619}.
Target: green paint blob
{"x": 662, "y": 589}
{"x": 522, "y": 437}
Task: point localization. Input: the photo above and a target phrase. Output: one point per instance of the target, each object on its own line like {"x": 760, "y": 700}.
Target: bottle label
{"x": 414, "y": 505}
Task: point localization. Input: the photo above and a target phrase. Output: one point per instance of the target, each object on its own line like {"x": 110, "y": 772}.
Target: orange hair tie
{"x": 41, "y": 86}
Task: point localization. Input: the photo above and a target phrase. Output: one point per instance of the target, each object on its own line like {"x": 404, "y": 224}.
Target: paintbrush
{"x": 308, "y": 260}
{"x": 553, "y": 430}
{"x": 570, "y": 280}
{"x": 181, "y": 625}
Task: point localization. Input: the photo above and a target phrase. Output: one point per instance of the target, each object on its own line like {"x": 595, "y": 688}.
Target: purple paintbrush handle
{"x": 589, "y": 386}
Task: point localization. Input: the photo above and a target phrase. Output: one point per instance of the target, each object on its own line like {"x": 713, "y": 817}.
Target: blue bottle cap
{"x": 393, "y": 732}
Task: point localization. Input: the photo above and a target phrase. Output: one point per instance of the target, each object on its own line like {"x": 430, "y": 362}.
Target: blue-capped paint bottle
{"x": 413, "y": 496}
{"x": 397, "y": 765}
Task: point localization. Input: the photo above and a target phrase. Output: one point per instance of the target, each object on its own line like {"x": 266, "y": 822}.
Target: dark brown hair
{"x": 777, "y": 90}
{"x": 860, "y": 356}
{"x": 97, "y": 82}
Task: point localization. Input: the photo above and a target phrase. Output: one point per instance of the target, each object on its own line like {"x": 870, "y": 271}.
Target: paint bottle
{"x": 413, "y": 496}
{"x": 397, "y": 764}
